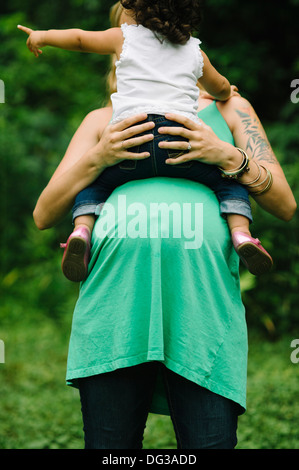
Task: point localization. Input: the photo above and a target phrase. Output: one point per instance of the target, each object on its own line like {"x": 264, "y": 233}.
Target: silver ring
{"x": 122, "y": 145}
{"x": 189, "y": 147}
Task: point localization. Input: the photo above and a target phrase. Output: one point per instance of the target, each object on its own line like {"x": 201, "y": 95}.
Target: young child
{"x": 158, "y": 70}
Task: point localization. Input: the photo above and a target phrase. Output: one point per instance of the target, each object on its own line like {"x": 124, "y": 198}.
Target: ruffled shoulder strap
{"x": 128, "y": 31}
{"x": 200, "y": 63}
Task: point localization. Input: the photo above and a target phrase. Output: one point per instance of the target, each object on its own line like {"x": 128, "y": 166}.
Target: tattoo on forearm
{"x": 257, "y": 142}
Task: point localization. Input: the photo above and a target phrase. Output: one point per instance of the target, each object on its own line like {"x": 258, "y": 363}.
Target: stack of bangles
{"x": 255, "y": 187}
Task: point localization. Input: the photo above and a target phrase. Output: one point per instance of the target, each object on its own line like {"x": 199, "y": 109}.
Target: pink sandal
{"x": 76, "y": 255}
{"x": 254, "y": 256}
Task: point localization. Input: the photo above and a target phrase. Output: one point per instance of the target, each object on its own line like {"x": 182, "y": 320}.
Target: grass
{"x": 272, "y": 416}
{"x": 271, "y": 420}
{"x": 38, "y": 411}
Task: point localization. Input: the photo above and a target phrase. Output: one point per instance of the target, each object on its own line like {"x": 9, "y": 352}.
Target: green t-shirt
{"x": 163, "y": 285}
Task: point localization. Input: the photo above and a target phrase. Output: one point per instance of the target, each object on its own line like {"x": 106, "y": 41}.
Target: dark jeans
{"x": 232, "y": 196}
{"x": 115, "y": 407}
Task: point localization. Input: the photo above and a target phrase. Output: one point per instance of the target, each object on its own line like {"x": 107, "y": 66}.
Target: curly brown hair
{"x": 175, "y": 20}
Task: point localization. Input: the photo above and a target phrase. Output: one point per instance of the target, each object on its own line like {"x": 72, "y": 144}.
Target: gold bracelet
{"x": 234, "y": 174}
{"x": 262, "y": 182}
{"x": 268, "y": 185}
{"x": 256, "y": 179}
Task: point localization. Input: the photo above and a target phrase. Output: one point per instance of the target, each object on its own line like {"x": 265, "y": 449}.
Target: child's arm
{"x": 213, "y": 82}
{"x": 101, "y": 42}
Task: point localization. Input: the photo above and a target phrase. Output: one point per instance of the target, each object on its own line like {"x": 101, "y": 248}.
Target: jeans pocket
{"x": 176, "y": 154}
{"x": 127, "y": 165}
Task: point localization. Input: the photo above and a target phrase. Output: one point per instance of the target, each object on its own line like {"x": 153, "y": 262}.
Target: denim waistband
{"x": 160, "y": 118}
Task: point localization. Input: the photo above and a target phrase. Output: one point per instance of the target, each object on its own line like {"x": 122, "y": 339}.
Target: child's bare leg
{"x": 238, "y": 223}
{"x": 85, "y": 221}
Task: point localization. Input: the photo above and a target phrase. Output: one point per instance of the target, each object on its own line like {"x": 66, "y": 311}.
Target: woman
{"x": 150, "y": 308}
{"x": 120, "y": 303}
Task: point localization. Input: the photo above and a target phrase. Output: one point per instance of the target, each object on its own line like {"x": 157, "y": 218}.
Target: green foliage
{"x": 255, "y": 46}
{"x": 45, "y": 101}
{"x": 47, "y": 98}
{"x": 38, "y": 411}
{"x": 270, "y": 421}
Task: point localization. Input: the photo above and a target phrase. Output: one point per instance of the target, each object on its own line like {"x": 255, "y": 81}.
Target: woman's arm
{"x": 94, "y": 147}
{"x": 250, "y": 136}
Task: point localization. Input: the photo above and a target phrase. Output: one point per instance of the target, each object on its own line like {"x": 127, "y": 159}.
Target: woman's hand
{"x": 95, "y": 146}
{"x": 203, "y": 144}
{"x": 117, "y": 139}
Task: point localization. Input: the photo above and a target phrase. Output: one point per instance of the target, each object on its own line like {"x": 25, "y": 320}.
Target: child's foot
{"x": 254, "y": 256}
{"x": 76, "y": 255}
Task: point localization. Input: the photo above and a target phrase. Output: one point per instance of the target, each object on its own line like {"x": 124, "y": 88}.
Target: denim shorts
{"x": 232, "y": 196}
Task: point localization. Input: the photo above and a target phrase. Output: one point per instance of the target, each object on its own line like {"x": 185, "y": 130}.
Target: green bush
{"x": 47, "y": 98}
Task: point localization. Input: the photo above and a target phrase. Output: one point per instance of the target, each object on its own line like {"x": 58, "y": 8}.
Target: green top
{"x": 163, "y": 285}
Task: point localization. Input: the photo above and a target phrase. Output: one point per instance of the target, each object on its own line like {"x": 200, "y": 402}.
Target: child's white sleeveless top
{"x": 155, "y": 76}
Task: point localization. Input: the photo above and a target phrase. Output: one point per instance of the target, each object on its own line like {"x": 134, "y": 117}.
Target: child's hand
{"x": 35, "y": 40}
{"x": 234, "y": 92}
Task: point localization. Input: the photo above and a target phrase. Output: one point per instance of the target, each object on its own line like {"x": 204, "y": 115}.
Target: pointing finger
{"x": 25, "y": 29}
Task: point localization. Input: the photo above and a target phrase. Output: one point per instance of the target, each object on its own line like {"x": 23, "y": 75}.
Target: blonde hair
{"x": 115, "y": 15}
